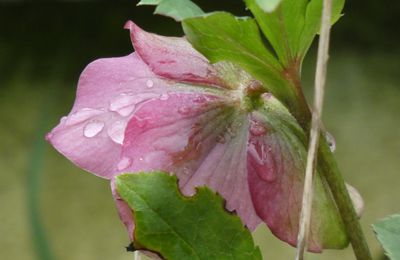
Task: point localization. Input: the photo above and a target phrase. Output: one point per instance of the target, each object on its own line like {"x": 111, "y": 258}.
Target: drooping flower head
{"x": 165, "y": 107}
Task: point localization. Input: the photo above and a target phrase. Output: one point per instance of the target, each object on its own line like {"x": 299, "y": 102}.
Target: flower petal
{"x": 109, "y": 91}
{"x": 200, "y": 139}
{"x": 276, "y": 156}
{"x": 172, "y": 57}
{"x": 124, "y": 211}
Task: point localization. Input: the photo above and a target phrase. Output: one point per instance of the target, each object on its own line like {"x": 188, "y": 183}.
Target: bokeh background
{"x": 51, "y": 210}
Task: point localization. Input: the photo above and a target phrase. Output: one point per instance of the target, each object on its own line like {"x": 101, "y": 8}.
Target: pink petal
{"x": 172, "y": 57}
{"x": 276, "y": 177}
{"x": 109, "y": 91}
{"x": 201, "y": 140}
{"x": 124, "y": 211}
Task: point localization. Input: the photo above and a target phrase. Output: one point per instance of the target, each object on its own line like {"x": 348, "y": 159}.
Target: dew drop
{"x": 93, "y": 128}
{"x": 124, "y": 163}
{"x": 331, "y": 141}
{"x": 82, "y": 115}
{"x": 263, "y": 162}
{"x": 117, "y": 131}
{"x": 164, "y": 96}
{"x": 149, "y": 83}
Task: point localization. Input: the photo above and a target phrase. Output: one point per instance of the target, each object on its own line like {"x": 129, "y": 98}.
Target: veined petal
{"x": 109, "y": 92}
{"x": 172, "y": 57}
{"x": 199, "y": 138}
{"x": 276, "y": 163}
{"x": 124, "y": 211}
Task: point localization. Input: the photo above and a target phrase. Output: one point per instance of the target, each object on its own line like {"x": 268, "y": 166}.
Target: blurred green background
{"x": 50, "y": 209}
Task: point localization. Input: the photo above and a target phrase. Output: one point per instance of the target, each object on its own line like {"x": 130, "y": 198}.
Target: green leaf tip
{"x": 388, "y": 234}
{"x": 180, "y": 227}
{"x": 268, "y": 5}
{"x": 176, "y": 9}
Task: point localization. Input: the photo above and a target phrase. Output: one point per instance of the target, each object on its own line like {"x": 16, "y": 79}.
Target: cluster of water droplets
{"x": 264, "y": 164}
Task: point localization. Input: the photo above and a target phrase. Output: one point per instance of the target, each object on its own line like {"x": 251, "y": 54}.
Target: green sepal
{"x": 179, "y": 227}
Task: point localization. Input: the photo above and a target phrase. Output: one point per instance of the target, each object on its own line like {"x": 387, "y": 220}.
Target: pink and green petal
{"x": 275, "y": 162}
{"x": 201, "y": 139}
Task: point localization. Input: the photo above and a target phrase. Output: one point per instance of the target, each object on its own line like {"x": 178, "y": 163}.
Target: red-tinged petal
{"x": 276, "y": 158}
{"x": 201, "y": 140}
{"x": 172, "y": 57}
{"x": 124, "y": 211}
{"x": 109, "y": 91}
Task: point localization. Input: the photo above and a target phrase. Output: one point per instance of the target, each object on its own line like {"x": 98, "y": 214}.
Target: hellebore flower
{"x": 165, "y": 107}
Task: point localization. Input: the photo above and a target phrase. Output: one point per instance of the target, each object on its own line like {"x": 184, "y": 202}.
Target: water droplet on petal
{"x": 82, "y": 115}
{"x": 257, "y": 129}
{"x": 149, "y": 83}
{"x": 331, "y": 141}
{"x": 164, "y": 96}
{"x": 263, "y": 162}
{"x": 117, "y": 131}
{"x": 124, "y": 163}
{"x": 93, "y": 128}
{"x": 125, "y": 103}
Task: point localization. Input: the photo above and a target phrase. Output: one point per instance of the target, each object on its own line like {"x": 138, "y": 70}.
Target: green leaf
{"x": 268, "y": 5}
{"x": 221, "y": 36}
{"x": 388, "y": 233}
{"x": 179, "y": 227}
{"x": 292, "y": 27}
{"x": 177, "y": 9}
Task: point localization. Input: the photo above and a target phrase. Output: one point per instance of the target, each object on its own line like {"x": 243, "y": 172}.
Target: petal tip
{"x": 129, "y": 25}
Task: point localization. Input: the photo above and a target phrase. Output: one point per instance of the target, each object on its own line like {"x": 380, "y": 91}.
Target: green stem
{"x": 343, "y": 201}
{"x": 336, "y": 183}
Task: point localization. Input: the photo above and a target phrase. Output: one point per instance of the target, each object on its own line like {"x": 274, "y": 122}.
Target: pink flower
{"x": 165, "y": 107}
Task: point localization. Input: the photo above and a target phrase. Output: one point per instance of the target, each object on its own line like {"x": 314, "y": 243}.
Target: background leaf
{"x": 292, "y": 27}
{"x": 177, "y": 9}
{"x": 388, "y": 233}
{"x": 179, "y": 227}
